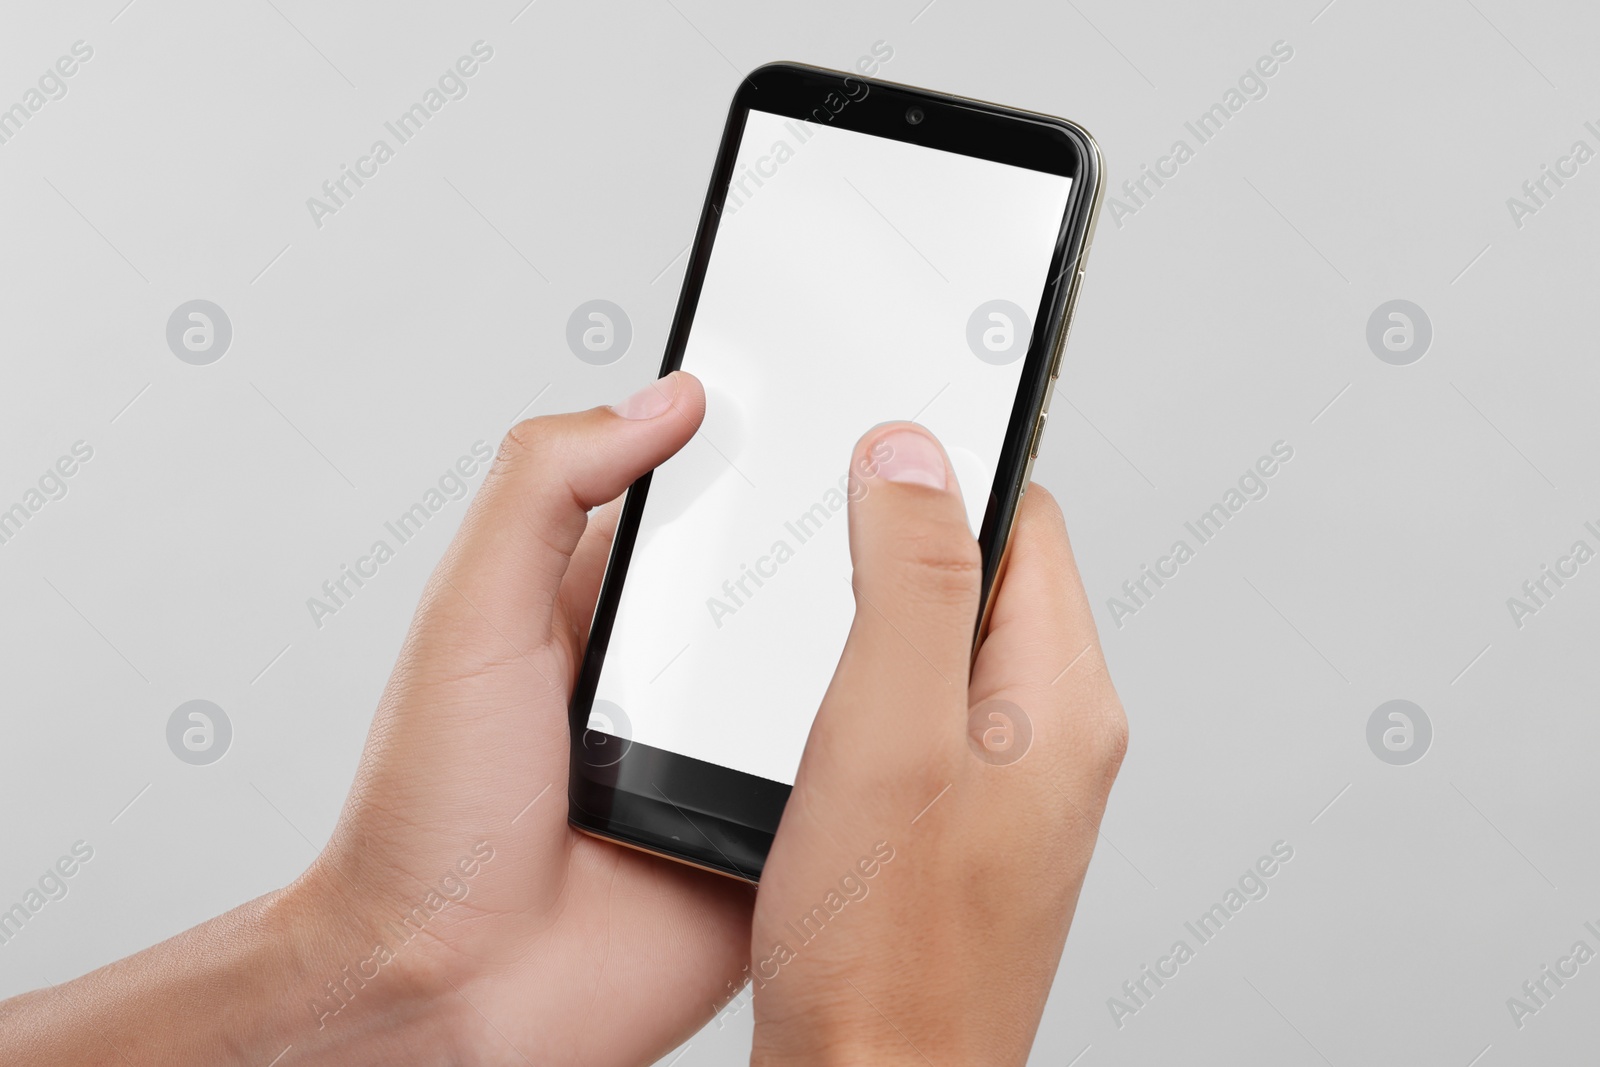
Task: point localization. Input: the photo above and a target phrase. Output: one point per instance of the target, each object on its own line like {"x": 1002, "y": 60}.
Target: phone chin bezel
{"x": 701, "y": 813}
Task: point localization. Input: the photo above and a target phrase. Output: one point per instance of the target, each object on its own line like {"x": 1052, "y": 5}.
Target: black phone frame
{"x": 702, "y": 813}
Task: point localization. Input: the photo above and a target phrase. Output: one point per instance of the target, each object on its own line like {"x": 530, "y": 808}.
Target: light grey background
{"x": 1228, "y": 313}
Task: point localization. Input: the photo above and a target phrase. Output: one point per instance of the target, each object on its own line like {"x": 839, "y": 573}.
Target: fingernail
{"x": 654, "y": 399}
{"x": 914, "y": 458}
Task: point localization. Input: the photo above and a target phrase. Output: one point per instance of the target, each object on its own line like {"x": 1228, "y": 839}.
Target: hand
{"x": 917, "y": 897}
{"x": 454, "y": 917}
{"x": 563, "y": 949}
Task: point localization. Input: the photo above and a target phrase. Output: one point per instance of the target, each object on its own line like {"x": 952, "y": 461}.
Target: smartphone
{"x": 867, "y": 252}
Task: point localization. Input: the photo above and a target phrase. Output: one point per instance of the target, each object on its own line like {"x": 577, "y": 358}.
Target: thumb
{"x": 901, "y": 685}
{"x": 512, "y": 551}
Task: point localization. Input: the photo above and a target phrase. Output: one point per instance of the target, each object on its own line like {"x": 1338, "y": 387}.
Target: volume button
{"x": 1072, "y": 307}
{"x": 1038, "y": 434}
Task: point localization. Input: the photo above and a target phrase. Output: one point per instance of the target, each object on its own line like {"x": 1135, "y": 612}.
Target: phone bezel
{"x": 702, "y": 813}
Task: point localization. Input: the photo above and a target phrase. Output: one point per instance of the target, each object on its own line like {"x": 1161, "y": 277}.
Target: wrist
{"x": 818, "y": 1052}
{"x": 856, "y": 1021}
{"x": 827, "y": 1038}
{"x": 356, "y": 984}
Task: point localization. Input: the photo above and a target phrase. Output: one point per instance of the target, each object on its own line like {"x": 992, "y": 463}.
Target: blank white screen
{"x": 837, "y": 297}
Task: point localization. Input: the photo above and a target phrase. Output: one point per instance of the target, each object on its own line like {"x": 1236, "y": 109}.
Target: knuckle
{"x": 1045, "y": 504}
{"x": 939, "y": 560}
{"x": 528, "y": 483}
{"x": 1107, "y": 740}
{"x": 1042, "y": 529}
{"x": 526, "y": 442}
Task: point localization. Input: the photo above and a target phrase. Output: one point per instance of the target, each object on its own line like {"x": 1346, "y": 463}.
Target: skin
{"x": 532, "y": 943}
{"x": 949, "y": 951}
